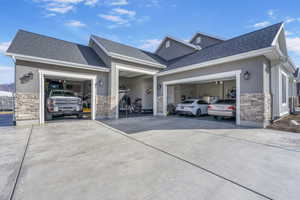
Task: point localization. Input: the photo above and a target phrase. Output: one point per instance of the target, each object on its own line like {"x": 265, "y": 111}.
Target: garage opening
{"x": 67, "y": 98}
{"x": 66, "y": 95}
{"x": 207, "y": 97}
{"x": 135, "y": 94}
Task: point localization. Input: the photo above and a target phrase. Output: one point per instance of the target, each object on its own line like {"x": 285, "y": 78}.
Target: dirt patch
{"x": 286, "y": 124}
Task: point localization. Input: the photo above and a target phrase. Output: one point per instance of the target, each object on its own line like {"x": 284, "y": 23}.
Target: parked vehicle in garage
{"x": 63, "y": 103}
{"x": 195, "y": 107}
{"x": 222, "y": 108}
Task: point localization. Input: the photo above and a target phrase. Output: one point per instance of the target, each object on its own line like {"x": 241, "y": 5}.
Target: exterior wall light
{"x": 26, "y": 77}
{"x": 246, "y": 75}
{"x": 100, "y": 83}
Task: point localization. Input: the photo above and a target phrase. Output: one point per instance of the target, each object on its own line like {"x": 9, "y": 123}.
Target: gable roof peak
{"x": 177, "y": 40}
{"x": 207, "y": 35}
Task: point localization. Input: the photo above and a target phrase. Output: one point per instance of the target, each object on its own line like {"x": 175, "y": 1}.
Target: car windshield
{"x": 226, "y": 101}
{"x": 188, "y": 102}
{"x": 63, "y": 93}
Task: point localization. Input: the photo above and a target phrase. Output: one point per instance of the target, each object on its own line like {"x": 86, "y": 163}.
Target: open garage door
{"x": 66, "y": 96}
{"x": 199, "y": 96}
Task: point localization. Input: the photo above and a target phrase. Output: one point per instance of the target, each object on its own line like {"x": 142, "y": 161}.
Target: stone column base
{"x": 27, "y": 109}
{"x": 255, "y": 109}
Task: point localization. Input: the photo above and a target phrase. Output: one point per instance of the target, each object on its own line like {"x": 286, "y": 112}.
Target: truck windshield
{"x": 63, "y": 93}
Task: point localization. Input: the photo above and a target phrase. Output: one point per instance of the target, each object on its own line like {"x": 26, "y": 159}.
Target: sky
{"x": 142, "y": 23}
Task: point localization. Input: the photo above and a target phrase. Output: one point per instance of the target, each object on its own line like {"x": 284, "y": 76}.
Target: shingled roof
{"x": 122, "y": 49}
{"x": 36, "y": 45}
{"x": 248, "y": 42}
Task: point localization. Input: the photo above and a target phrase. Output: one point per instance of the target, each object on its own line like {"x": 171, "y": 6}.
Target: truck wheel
{"x": 80, "y": 116}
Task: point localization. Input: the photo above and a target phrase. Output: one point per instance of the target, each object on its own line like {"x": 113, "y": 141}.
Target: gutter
{"x": 268, "y": 52}
{"x": 56, "y": 62}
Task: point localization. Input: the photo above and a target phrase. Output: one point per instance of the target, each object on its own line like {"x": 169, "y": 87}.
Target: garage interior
{"x": 135, "y": 94}
{"x": 208, "y": 91}
{"x": 67, "y": 89}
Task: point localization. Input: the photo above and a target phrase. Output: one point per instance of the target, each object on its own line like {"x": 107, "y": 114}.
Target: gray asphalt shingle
{"x": 115, "y": 47}
{"x": 32, "y": 44}
{"x": 248, "y": 42}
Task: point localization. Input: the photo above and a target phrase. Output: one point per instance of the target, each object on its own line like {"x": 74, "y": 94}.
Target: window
{"x": 168, "y": 43}
{"x": 202, "y": 102}
{"x": 283, "y": 88}
{"x": 198, "y": 40}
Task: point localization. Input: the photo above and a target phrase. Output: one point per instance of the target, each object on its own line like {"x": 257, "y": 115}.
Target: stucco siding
{"x": 23, "y": 67}
{"x": 104, "y": 57}
{"x": 175, "y": 50}
{"x": 254, "y": 66}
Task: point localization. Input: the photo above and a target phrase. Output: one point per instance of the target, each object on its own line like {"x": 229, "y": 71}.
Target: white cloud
{"x": 261, "y": 24}
{"x": 75, "y": 23}
{"x": 150, "y": 44}
{"x": 293, "y": 44}
{"x": 64, "y": 6}
{"x": 4, "y": 46}
{"x": 152, "y": 3}
{"x": 62, "y": 9}
{"x": 114, "y": 18}
{"x": 122, "y": 11}
{"x": 50, "y": 15}
{"x": 289, "y": 20}
{"x": 271, "y": 13}
{"x": 91, "y": 2}
{"x": 119, "y": 3}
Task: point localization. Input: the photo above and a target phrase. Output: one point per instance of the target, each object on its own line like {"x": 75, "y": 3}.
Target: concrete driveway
{"x": 160, "y": 158}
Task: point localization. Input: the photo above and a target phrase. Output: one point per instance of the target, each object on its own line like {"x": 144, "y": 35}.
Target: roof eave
{"x": 56, "y": 62}
{"x": 265, "y": 51}
{"x": 135, "y": 60}
{"x": 126, "y": 58}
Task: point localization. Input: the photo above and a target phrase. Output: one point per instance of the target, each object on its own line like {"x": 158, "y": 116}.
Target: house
{"x": 256, "y": 66}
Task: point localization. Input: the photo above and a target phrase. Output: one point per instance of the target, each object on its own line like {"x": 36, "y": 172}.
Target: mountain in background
{"x": 7, "y": 87}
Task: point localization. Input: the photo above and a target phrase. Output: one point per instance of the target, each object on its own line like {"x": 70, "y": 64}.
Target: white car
{"x": 195, "y": 107}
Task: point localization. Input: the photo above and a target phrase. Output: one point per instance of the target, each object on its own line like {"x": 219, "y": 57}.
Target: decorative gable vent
{"x": 199, "y": 39}
{"x": 168, "y": 43}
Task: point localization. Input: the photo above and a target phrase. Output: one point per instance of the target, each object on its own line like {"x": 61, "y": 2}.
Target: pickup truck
{"x": 63, "y": 103}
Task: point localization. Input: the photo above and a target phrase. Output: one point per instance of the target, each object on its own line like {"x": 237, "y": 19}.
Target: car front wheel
{"x": 198, "y": 114}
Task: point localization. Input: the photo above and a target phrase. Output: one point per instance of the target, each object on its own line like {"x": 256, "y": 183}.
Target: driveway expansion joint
{"x": 183, "y": 160}
{"x": 21, "y": 165}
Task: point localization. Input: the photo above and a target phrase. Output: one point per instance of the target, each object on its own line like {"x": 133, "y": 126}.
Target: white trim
{"x": 62, "y": 74}
{"x": 154, "y": 95}
{"x": 219, "y": 61}
{"x": 282, "y": 73}
{"x": 100, "y": 45}
{"x": 136, "y": 60}
{"x": 177, "y": 40}
{"x": 135, "y": 69}
{"x": 131, "y": 69}
{"x": 231, "y": 74}
{"x": 57, "y": 62}
{"x": 277, "y": 35}
{"x": 126, "y": 58}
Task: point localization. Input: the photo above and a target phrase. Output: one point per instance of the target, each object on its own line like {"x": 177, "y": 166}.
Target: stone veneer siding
{"x": 255, "y": 108}
{"x": 104, "y": 107}
{"x": 27, "y": 106}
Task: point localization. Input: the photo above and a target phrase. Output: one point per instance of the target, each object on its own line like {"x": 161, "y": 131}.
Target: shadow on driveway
{"x": 142, "y": 124}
